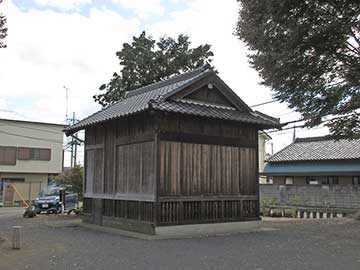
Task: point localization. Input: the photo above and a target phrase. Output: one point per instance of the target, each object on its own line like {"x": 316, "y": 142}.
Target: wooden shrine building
{"x": 180, "y": 151}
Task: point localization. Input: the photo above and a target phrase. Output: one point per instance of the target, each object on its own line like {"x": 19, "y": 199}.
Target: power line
{"x": 290, "y": 132}
{"x": 307, "y": 118}
{"x": 11, "y": 111}
{"x": 264, "y": 103}
{"x": 30, "y": 137}
{"x": 44, "y": 130}
{"x": 273, "y": 131}
{"x": 284, "y": 114}
{"x": 302, "y": 126}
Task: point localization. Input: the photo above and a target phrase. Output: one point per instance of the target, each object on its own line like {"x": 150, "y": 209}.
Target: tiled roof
{"x": 326, "y": 167}
{"x": 153, "y": 95}
{"x": 138, "y": 100}
{"x": 318, "y": 148}
{"x": 213, "y": 111}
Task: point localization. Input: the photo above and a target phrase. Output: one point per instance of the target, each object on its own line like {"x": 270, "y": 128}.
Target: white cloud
{"x": 143, "y": 9}
{"x": 47, "y": 50}
{"x": 63, "y": 4}
{"x": 214, "y": 22}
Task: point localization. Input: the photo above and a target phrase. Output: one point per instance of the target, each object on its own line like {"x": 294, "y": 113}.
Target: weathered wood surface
{"x": 187, "y": 212}
{"x": 170, "y": 169}
{"x": 119, "y": 157}
{"x": 198, "y": 169}
{"x": 212, "y": 96}
{"x": 135, "y": 168}
{"x": 171, "y": 212}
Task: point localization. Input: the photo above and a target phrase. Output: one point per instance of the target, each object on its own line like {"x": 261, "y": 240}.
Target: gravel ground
{"x": 49, "y": 242}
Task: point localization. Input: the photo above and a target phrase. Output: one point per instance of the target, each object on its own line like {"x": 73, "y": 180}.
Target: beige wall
{"x": 28, "y": 134}
{"x": 262, "y": 138}
{"x": 30, "y": 188}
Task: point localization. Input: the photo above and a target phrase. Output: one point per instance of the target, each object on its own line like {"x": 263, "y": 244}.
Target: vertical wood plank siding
{"x": 212, "y": 178}
{"x": 188, "y": 169}
{"x": 135, "y": 168}
{"x": 127, "y": 168}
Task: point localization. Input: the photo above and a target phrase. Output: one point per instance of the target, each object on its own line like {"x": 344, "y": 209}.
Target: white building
{"x": 262, "y": 139}
{"x": 30, "y": 154}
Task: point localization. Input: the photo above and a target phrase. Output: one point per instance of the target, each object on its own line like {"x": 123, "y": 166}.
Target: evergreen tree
{"x": 3, "y": 29}
{"x": 72, "y": 180}
{"x": 146, "y": 61}
{"x": 308, "y": 52}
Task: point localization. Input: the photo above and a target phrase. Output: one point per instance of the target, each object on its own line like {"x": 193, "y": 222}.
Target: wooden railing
{"x": 135, "y": 210}
{"x": 180, "y": 211}
{"x": 186, "y": 212}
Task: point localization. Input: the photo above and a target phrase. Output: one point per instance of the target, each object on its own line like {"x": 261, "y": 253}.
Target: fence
{"x": 322, "y": 196}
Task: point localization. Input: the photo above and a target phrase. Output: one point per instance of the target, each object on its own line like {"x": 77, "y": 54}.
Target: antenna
{"x": 67, "y": 101}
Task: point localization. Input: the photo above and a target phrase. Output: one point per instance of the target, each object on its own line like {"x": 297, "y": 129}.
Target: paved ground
{"x": 296, "y": 244}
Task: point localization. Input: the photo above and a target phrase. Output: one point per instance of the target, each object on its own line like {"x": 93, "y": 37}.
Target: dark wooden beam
{"x": 94, "y": 146}
{"x": 208, "y": 198}
{"x": 207, "y": 139}
{"x": 146, "y": 137}
{"x": 123, "y": 196}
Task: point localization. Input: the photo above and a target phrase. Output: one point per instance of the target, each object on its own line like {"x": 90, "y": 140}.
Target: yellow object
{"x": 19, "y": 194}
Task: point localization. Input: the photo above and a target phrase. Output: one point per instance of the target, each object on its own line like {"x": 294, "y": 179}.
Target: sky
{"x": 57, "y": 44}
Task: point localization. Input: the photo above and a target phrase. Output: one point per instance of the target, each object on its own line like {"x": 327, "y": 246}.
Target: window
{"x": 26, "y": 153}
{"x": 7, "y": 155}
{"x": 13, "y": 180}
{"x": 356, "y": 180}
{"x": 289, "y": 180}
{"x": 332, "y": 180}
{"x": 312, "y": 181}
{"x": 269, "y": 180}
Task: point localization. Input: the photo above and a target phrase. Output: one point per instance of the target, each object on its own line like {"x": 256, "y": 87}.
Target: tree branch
{"x": 355, "y": 37}
{"x": 352, "y": 48}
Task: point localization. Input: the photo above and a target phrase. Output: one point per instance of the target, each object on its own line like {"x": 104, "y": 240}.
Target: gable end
{"x": 199, "y": 91}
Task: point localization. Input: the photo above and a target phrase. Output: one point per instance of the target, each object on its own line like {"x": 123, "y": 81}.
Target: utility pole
{"x": 73, "y": 145}
{"x": 294, "y": 134}
{"x": 66, "y": 101}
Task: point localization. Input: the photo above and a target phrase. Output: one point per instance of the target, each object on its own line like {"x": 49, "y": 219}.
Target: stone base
{"x": 185, "y": 231}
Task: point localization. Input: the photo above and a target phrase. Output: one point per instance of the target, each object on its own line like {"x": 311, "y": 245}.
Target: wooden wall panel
{"x": 207, "y": 95}
{"x": 188, "y": 169}
{"x": 99, "y": 171}
{"x": 94, "y": 174}
{"x": 109, "y": 155}
{"x": 135, "y": 168}
{"x": 89, "y": 173}
{"x": 125, "y": 168}
{"x": 209, "y": 127}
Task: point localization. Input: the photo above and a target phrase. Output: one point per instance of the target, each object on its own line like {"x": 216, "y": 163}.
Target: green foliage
{"x": 146, "y": 61}
{"x": 295, "y": 200}
{"x": 72, "y": 180}
{"x": 308, "y": 52}
{"x": 3, "y": 29}
{"x": 265, "y": 205}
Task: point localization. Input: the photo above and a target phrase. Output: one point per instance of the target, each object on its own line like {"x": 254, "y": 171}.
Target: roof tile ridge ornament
{"x": 153, "y": 102}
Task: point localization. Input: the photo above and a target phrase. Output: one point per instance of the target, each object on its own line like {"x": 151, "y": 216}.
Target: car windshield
{"x": 49, "y": 191}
